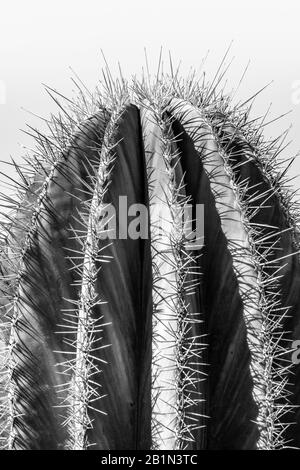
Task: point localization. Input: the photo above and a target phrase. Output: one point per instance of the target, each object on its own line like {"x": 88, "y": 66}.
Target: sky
{"x": 41, "y": 40}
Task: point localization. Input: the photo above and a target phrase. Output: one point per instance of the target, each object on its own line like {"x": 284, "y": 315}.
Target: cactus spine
{"x": 144, "y": 342}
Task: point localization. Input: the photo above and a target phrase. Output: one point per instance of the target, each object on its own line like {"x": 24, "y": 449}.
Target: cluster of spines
{"x": 265, "y": 328}
{"x": 270, "y": 377}
{"x": 32, "y": 205}
{"x": 17, "y": 309}
{"x": 175, "y": 278}
{"x": 269, "y": 259}
{"x": 274, "y": 377}
{"x": 82, "y": 391}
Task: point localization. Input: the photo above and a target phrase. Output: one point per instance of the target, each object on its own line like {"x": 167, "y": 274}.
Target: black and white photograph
{"x": 149, "y": 228}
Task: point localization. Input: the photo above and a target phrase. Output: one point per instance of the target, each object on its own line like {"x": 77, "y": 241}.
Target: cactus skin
{"x": 141, "y": 343}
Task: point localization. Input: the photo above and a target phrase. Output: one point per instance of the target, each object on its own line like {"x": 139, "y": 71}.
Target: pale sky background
{"x": 39, "y": 40}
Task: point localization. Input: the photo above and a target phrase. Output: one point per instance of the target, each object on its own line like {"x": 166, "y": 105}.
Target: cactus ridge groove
{"x": 142, "y": 342}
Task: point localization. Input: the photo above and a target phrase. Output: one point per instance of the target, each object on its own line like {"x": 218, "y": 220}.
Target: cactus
{"x": 149, "y": 341}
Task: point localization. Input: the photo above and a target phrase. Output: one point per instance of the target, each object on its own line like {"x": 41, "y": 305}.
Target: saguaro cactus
{"x": 114, "y": 338}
